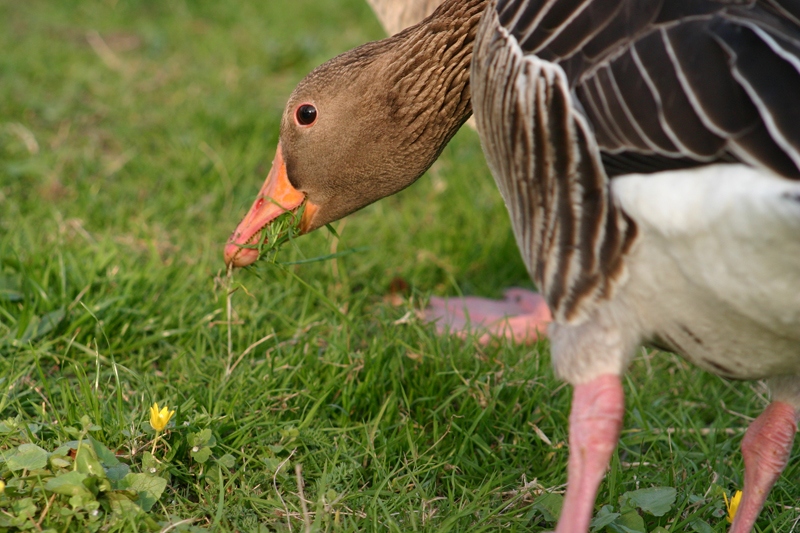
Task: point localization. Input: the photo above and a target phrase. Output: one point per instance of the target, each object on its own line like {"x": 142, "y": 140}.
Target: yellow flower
{"x": 160, "y": 419}
{"x": 733, "y": 504}
{"x": 2, "y": 486}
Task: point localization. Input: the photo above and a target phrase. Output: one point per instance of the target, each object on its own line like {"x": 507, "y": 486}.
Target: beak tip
{"x": 237, "y": 257}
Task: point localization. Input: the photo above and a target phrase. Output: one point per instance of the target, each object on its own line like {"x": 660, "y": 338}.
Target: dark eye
{"x": 306, "y": 114}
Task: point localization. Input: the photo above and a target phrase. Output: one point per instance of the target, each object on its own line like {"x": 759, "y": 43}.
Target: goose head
{"x": 366, "y": 125}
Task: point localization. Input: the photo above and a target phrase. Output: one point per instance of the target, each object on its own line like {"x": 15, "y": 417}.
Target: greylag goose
{"x": 649, "y": 156}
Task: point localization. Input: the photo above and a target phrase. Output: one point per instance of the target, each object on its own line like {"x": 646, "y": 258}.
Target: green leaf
{"x": 630, "y": 522}
{"x": 86, "y": 461}
{"x": 655, "y": 500}
{"x": 118, "y": 472}
{"x": 24, "y": 507}
{"x": 70, "y": 445}
{"x": 203, "y": 438}
{"x": 81, "y": 500}
{"x": 121, "y": 504}
{"x": 227, "y": 460}
{"x": 273, "y": 463}
{"x": 701, "y": 526}
{"x": 22, "y": 513}
{"x": 26, "y": 456}
{"x": 150, "y": 464}
{"x": 60, "y": 461}
{"x": 549, "y": 505}
{"x": 148, "y": 487}
{"x": 9, "y": 425}
{"x": 290, "y": 433}
{"x": 115, "y": 470}
{"x": 605, "y": 516}
{"x": 202, "y": 454}
{"x": 105, "y": 455}
{"x": 69, "y": 484}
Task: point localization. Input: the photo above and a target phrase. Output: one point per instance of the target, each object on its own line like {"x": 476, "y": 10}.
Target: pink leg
{"x": 522, "y": 329}
{"x": 766, "y": 447}
{"x": 521, "y": 316}
{"x": 594, "y": 426}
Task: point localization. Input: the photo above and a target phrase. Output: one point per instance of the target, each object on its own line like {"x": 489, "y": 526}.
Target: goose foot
{"x": 522, "y": 316}
{"x": 594, "y": 425}
{"x": 766, "y": 447}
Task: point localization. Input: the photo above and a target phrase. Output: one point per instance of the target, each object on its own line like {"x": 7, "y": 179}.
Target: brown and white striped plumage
{"x": 612, "y": 88}
{"x": 649, "y": 155}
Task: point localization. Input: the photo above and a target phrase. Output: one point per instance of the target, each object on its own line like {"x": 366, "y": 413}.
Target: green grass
{"x": 133, "y": 136}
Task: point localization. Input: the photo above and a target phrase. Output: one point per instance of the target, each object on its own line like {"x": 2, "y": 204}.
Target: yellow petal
{"x": 732, "y": 504}
{"x": 160, "y": 418}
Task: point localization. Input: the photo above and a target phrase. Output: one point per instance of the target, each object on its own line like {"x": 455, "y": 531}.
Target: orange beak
{"x": 277, "y": 196}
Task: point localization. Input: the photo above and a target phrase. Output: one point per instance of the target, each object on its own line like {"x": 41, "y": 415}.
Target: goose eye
{"x": 306, "y": 114}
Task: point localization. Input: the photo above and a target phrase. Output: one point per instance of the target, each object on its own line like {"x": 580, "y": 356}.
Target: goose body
{"x": 648, "y": 153}
{"x": 717, "y": 238}
{"x": 651, "y": 173}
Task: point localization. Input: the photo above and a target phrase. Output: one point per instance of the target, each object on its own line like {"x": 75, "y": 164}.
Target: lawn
{"x": 309, "y": 396}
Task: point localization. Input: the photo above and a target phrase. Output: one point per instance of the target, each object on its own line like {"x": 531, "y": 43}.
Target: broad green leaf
{"x": 122, "y": 504}
{"x": 60, "y": 461}
{"x": 27, "y": 456}
{"x": 227, "y": 460}
{"x": 701, "y": 526}
{"x": 203, "y": 438}
{"x": 106, "y": 456}
{"x": 24, "y": 507}
{"x": 272, "y": 464}
{"x": 80, "y": 500}
{"x": 654, "y": 500}
{"x": 70, "y": 445}
{"x": 115, "y": 470}
{"x": 69, "y": 484}
{"x": 148, "y": 487}
{"x": 630, "y": 522}
{"x": 550, "y": 506}
{"x": 8, "y": 425}
{"x": 88, "y": 425}
{"x": 87, "y": 462}
{"x": 97, "y": 484}
{"x": 22, "y": 513}
{"x": 605, "y": 516}
{"x": 118, "y": 472}
{"x": 201, "y": 455}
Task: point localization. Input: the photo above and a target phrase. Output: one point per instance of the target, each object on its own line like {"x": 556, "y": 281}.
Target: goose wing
{"x": 570, "y": 93}
{"x": 668, "y": 84}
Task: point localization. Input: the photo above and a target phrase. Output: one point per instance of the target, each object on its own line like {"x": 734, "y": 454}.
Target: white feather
{"x": 717, "y": 268}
